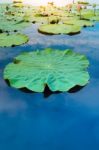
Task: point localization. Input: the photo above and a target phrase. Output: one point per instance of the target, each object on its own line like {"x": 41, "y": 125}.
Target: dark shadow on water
{"x": 47, "y": 92}
{"x": 52, "y": 34}
{"x": 7, "y": 81}
{"x": 25, "y": 90}
{"x": 74, "y": 33}
{"x": 75, "y": 89}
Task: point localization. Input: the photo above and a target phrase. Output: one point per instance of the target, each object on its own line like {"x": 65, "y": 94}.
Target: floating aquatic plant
{"x": 59, "y": 70}
{"x": 59, "y": 29}
{"x": 82, "y": 23}
{"x": 11, "y": 25}
{"x": 7, "y": 40}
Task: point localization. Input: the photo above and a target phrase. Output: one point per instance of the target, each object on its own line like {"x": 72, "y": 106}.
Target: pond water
{"x": 67, "y": 121}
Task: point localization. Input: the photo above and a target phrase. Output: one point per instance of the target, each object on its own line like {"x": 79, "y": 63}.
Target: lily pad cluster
{"x": 66, "y": 25}
{"x": 59, "y": 70}
{"x": 17, "y": 18}
{"x": 10, "y": 27}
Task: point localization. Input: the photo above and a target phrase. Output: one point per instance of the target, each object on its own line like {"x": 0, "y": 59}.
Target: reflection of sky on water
{"x": 67, "y": 121}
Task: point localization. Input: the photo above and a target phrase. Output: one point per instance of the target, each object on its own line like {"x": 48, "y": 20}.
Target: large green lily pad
{"x": 59, "y": 29}
{"x": 59, "y": 70}
{"x": 7, "y": 40}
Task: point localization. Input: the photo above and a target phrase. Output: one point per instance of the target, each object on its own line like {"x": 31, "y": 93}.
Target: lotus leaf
{"x": 7, "y": 40}
{"x": 42, "y": 20}
{"x": 33, "y": 19}
{"x": 59, "y": 70}
{"x": 59, "y": 29}
{"x": 6, "y": 25}
{"x": 53, "y": 20}
{"x": 82, "y": 23}
{"x": 94, "y": 18}
{"x": 89, "y": 15}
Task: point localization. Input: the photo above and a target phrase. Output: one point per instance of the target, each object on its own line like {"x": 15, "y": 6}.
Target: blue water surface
{"x": 64, "y": 121}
